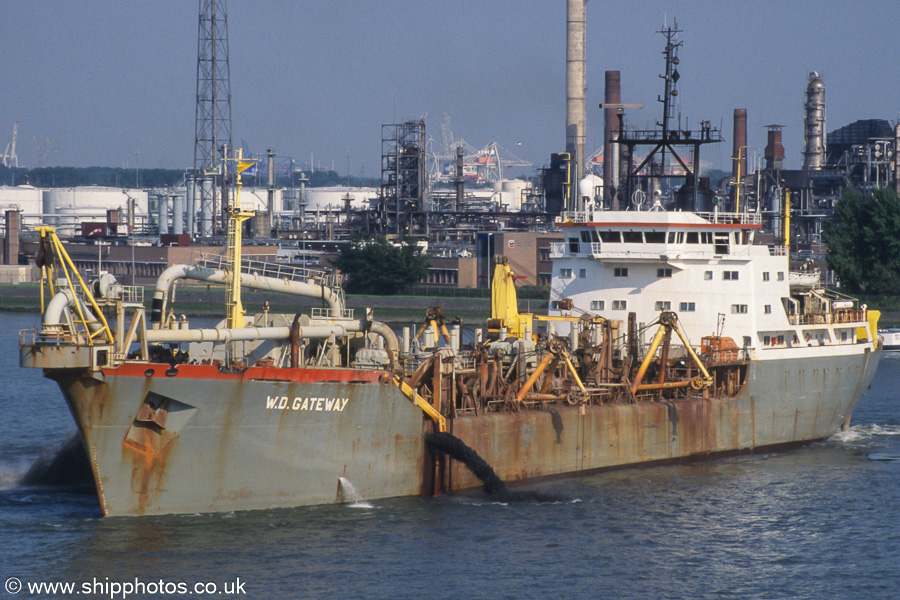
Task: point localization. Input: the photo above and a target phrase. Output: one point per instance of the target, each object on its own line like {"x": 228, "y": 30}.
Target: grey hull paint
{"x": 222, "y": 449}
{"x": 784, "y": 402}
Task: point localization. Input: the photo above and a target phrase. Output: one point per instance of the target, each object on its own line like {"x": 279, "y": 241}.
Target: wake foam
{"x": 862, "y": 434}
{"x": 65, "y": 466}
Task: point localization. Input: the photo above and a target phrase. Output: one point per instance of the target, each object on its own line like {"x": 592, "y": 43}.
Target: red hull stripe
{"x": 258, "y": 373}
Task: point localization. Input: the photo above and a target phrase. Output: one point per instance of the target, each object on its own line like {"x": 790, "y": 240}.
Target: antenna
{"x": 213, "y": 115}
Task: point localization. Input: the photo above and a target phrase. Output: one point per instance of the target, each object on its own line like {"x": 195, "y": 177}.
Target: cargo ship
{"x": 671, "y": 336}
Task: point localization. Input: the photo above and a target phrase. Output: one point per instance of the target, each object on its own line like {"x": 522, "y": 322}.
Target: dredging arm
{"x": 668, "y": 322}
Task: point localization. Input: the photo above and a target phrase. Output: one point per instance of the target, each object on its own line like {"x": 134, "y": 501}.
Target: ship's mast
{"x": 664, "y": 139}
{"x": 670, "y": 79}
{"x": 234, "y": 313}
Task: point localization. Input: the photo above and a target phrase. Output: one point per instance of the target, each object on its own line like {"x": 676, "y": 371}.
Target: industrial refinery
{"x": 456, "y": 199}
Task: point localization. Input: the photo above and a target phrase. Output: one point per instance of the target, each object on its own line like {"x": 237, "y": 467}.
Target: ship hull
{"x": 243, "y": 441}
{"x": 784, "y": 403}
{"x": 196, "y": 440}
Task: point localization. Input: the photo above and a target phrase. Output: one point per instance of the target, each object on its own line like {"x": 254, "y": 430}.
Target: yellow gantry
{"x": 668, "y": 321}
{"x": 48, "y": 274}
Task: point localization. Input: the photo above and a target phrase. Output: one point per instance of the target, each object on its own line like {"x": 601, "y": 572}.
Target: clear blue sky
{"x": 106, "y": 79}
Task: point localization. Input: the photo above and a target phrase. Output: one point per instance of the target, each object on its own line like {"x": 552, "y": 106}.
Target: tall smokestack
{"x": 814, "y": 124}
{"x": 612, "y": 95}
{"x": 774, "y": 152}
{"x": 740, "y": 140}
{"x": 460, "y": 181}
{"x": 575, "y": 84}
{"x": 13, "y": 233}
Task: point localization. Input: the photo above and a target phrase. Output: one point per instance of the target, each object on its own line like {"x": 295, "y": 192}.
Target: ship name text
{"x": 300, "y": 403}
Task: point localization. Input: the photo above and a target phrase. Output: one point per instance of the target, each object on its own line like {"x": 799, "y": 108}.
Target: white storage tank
{"x": 24, "y": 198}
{"x": 67, "y": 207}
{"x": 322, "y": 198}
{"x": 591, "y": 188}
{"x": 516, "y": 189}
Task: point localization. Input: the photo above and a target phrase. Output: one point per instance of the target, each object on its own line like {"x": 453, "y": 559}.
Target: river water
{"x": 818, "y": 522}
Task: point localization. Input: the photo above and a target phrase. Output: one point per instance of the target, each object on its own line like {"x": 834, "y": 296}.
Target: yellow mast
{"x": 787, "y": 219}
{"x": 234, "y": 313}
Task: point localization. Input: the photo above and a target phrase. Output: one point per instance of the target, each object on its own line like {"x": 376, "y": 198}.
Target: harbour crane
{"x": 9, "y": 155}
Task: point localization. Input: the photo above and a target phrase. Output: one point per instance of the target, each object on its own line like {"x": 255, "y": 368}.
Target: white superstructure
{"x": 708, "y": 270}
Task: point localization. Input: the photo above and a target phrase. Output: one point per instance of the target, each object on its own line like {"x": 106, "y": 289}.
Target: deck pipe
{"x": 176, "y": 272}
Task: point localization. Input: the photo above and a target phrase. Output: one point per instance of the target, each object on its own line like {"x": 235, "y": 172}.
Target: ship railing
{"x": 125, "y": 293}
{"x": 778, "y": 250}
{"x": 731, "y": 218}
{"x": 716, "y": 217}
{"x": 317, "y": 312}
{"x": 575, "y": 217}
{"x": 34, "y": 337}
{"x": 271, "y": 269}
{"x": 838, "y": 316}
{"x": 28, "y": 337}
{"x": 132, "y": 294}
{"x": 557, "y": 249}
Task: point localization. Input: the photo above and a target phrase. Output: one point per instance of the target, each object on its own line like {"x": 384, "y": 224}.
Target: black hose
{"x": 454, "y": 447}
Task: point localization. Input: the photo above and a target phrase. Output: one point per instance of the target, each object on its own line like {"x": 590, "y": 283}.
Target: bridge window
{"x": 693, "y": 237}
{"x": 621, "y": 272}
{"x": 664, "y": 272}
{"x": 655, "y": 237}
{"x": 633, "y": 237}
{"x": 573, "y": 245}
{"x": 730, "y": 275}
{"x": 610, "y": 236}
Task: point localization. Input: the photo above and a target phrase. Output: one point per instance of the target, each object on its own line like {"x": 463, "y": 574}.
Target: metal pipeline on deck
{"x": 176, "y": 272}
{"x": 54, "y": 313}
{"x": 222, "y": 334}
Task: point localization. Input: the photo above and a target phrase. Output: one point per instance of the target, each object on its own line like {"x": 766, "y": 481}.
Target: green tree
{"x": 379, "y": 267}
{"x": 863, "y": 241}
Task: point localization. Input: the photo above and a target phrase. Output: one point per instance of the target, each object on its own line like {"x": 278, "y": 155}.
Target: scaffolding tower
{"x": 403, "y": 177}
{"x": 212, "y": 137}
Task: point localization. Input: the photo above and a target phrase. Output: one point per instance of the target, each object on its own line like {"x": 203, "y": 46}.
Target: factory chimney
{"x": 814, "y": 124}
{"x": 262, "y": 222}
{"x": 11, "y": 241}
{"x": 774, "y": 152}
{"x": 612, "y": 95}
{"x": 575, "y": 84}
{"x": 460, "y": 181}
{"x": 738, "y": 148}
